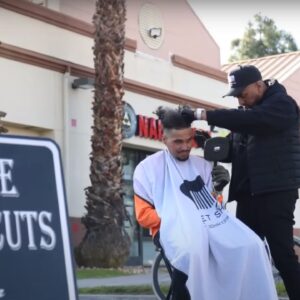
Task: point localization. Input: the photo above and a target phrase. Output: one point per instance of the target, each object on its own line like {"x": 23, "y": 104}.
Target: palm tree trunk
{"x": 106, "y": 243}
{"x": 3, "y": 129}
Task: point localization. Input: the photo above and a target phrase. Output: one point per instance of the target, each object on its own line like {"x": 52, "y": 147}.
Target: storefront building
{"x": 46, "y": 61}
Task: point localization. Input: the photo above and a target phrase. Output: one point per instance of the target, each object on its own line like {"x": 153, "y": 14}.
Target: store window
{"x": 138, "y": 236}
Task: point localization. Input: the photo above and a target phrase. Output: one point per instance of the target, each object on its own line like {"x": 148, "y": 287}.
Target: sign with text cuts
{"x": 36, "y": 261}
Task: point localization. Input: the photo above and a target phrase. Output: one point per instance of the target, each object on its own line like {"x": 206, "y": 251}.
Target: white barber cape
{"x": 222, "y": 257}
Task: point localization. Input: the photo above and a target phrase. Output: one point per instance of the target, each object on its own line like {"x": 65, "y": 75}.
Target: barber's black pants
{"x": 272, "y": 216}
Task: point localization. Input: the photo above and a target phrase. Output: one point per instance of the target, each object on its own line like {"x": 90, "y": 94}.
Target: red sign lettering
{"x": 149, "y": 128}
{"x": 142, "y": 126}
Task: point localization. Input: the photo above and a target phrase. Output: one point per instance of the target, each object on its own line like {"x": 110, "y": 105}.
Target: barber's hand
{"x": 188, "y": 114}
{"x": 220, "y": 177}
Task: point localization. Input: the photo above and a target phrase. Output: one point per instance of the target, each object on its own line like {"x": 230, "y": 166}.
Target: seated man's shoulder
{"x": 152, "y": 159}
{"x": 197, "y": 158}
{"x": 200, "y": 161}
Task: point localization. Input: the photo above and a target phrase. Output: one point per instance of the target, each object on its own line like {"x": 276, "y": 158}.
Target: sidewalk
{"x": 116, "y": 297}
{"x": 136, "y": 279}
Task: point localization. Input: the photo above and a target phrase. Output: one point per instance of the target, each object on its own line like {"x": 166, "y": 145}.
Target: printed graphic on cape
{"x": 212, "y": 214}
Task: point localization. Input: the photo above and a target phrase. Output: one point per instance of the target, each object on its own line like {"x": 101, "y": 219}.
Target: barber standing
{"x": 265, "y": 157}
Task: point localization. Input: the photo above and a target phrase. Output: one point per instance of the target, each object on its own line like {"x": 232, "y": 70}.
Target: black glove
{"x": 188, "y": 114}
{"x": 220, "y": 177}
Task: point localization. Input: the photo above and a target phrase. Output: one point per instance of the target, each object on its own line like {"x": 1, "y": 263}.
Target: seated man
{"x": 216, "y": 255}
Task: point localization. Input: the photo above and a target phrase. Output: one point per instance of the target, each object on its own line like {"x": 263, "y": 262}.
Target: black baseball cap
{"x": 240, "y": 78}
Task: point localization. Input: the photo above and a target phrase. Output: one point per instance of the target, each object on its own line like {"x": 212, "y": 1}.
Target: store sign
{"x": 129, "y": 122}
{"x": 149, "y": 128}
{"x": 35, "y": 253}
{"x": 140, "y": 125}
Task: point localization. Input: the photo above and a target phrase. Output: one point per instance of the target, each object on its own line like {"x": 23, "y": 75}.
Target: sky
{"x": 227, "y": 20}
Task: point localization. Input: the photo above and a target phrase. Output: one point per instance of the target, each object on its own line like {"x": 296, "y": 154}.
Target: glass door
{"x": 131, "y": 158}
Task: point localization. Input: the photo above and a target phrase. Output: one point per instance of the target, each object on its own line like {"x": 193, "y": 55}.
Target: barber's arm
{"x": 276, "y": 115}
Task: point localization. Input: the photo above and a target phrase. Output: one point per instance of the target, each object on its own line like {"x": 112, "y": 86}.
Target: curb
{"x": 128, "y": 297}
{"x": 117, "y": 297}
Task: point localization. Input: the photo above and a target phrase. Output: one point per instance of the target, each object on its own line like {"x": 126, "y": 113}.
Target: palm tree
{"x": 106, "y": 243}
{"x": 2, "y": 128}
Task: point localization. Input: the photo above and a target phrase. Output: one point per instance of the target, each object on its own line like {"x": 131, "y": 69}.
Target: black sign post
{"x": 36, "y": 261}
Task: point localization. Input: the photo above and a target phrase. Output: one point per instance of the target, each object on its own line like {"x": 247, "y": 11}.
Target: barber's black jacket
{"x": 265, "y": 152}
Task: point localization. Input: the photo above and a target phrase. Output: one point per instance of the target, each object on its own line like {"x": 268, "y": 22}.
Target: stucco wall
{"x": 41, "y": 37}
{"x": 185, "y": 34}
{"x": 31, "y": 95}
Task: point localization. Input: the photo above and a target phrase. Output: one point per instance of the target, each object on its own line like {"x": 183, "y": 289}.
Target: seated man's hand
{"x": 220, "y": 177}
{"x": 188, "y": 114}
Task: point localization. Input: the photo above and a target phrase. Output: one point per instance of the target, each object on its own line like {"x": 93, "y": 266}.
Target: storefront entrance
{"x": 139, "y": 237}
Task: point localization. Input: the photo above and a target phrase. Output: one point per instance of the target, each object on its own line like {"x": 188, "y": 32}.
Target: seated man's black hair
{"x": 171, "y": 118}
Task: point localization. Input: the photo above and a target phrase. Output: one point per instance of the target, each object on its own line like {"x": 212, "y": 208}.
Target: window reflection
{"x": 130, "y": 159}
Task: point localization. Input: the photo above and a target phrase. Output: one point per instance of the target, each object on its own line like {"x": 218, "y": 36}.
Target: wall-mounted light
{"x": 83, "y": 83}
{"x": 155, "y": 32}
